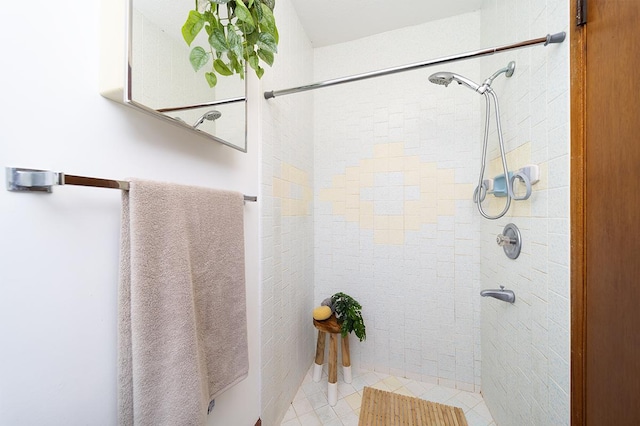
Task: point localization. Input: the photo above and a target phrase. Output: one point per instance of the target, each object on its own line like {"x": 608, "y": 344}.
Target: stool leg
{"x": 333, "y": 370}
{"x": 317, "y": 368}
{"x": 346, "y": 360}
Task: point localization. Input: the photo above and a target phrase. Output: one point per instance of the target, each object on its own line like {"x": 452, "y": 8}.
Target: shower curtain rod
{"x": 550, "y": 38}
{"x": 33, "y": 180}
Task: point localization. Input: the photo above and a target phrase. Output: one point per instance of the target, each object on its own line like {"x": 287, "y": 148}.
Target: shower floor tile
{"x": 310, "y": 406}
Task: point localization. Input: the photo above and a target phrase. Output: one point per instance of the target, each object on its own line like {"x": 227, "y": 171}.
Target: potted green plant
{"x": 237, "y": 31}
{"x": 349, "y": 315}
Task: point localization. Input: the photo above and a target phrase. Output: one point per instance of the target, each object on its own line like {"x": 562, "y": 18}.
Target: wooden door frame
{"x": 577, "y": 35}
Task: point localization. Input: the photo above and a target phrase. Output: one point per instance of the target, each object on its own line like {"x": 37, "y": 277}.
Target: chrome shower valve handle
{"x": 504, "y": 240}
{"x": 510, "y": 240}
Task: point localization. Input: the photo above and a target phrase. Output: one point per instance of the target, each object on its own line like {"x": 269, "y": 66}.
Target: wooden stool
{"x": 331, "y": 326}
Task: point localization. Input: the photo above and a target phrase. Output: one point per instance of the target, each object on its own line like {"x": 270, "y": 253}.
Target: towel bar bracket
{"x": 32, "y": 180}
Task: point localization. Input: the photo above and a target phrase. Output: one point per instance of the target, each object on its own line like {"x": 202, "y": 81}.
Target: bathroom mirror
{"x": 148, "y": 68}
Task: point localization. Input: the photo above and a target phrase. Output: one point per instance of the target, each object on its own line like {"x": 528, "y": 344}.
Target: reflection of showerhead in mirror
{"x": 209, "y": 115}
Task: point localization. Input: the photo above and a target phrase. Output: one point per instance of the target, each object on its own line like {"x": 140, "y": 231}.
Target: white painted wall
{"x": 395, "y": 162}
{"x": 526, "y": 346}
{"x": 59, "y": 252}
{"x": 286, "y": 220}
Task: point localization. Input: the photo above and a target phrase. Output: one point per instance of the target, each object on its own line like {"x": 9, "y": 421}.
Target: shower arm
{"x": 548, "y": 39}
{"x": 508, "y": 71}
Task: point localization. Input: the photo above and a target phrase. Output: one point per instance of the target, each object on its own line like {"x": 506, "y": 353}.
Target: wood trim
{"x": 259, "y": 422}
{"x": 578, "y": 228}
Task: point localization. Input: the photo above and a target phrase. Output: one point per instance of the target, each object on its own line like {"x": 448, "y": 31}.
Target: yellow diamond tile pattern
{"x": 419, "y": 193}
{"x": 294, "y": 188}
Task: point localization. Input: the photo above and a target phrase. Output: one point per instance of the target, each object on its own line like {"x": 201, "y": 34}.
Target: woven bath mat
{"x": 380, "y": 408}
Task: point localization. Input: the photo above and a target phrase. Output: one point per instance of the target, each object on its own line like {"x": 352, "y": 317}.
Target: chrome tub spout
{"x": 502, "y": 294}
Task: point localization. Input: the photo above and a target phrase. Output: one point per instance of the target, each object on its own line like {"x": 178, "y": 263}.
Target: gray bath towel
{"x": 182, "y": 314}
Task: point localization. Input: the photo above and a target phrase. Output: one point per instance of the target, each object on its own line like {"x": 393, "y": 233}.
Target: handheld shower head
{"x": 441, "y": 78}
{"x": 445, "y": 78}
{"x": 209, "y": 115}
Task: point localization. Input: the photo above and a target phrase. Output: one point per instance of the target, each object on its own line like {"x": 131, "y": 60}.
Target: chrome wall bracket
{"x": 32, "y": 180}
{"x": 510, "y": 240}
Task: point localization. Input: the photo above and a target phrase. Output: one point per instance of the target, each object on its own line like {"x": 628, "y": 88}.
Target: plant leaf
{"x": 253, "y": 61}
{"x": 266, "y": 56}
{"x": 211, "y": 78}
{"x": 246, "y": 22}
{"x": 237, "y": 65}
{"x": 198, "y": 57}
{"x": 257, "y": 12}
{"x": 192, "y": 26}
{"x": 270, "y": 3}
{"x": 260, "y": 72}
{"x": 266, "y": 15}
{"x": 267, "y": 42}
{"x": 243, "y": 13}
{"x": 235, "y": 42}
{"x": 251, "y": 38}
{"x": 221, "y": 67}
{"x": 246, "y": 28}
{"x": 211, "y": 19}
{"x": 273, "y": 31}
{"x": 268, "y": 22}
{"x": 218, "y": 41}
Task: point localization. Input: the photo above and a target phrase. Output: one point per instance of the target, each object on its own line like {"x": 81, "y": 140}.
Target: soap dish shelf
{"x": 529, "y": 175}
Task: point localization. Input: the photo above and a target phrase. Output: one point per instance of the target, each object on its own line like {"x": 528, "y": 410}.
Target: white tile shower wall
{"x": 287, "y": 221}
{"x": 395, "y": 162}
{"x": 525, "y": 369}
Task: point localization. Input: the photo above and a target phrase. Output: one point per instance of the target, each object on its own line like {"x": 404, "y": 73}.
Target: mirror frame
{"x": 115, "y": 70}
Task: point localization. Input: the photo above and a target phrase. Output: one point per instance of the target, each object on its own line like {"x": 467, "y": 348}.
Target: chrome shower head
{"x": 209, "y": 115}
{"x": 441, "y": 78}
{"x": 444, "y": 78}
